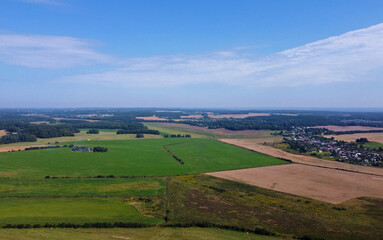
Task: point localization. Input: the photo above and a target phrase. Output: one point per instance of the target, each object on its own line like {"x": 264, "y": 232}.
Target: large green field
{"x": 68, "y": 210}
{"x": 131, "y": 234}
{"x": 132, "y": 158}
{"x": 80, "y": 187}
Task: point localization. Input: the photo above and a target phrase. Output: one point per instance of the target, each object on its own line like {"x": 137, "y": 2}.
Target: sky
{"x": 191, "y": 54}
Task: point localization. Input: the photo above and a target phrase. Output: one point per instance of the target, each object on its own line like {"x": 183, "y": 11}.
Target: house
{"x": 81, "y": 149}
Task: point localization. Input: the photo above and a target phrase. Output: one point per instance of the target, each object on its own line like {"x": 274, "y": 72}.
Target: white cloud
{"x": 348, "y": 57}
{"x": 48, "y": 51}
{"x": 48, "y": 2}
{"x": 353, "y": 56}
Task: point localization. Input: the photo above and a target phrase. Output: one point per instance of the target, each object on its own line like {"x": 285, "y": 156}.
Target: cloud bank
{"x": 353, "y": 56}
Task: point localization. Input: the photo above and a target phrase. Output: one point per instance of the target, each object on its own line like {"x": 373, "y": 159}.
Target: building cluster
{"x": 310, "y": 140}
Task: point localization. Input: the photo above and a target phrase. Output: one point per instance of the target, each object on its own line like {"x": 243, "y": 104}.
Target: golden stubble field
{"x": 310, "y": 177}
{"x": 372, "y": 137}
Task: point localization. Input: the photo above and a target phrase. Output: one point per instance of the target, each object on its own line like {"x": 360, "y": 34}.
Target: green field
{"x": 80, "y": 187}
{"x": 132, "y": 158}
{"x": 375, "y": 145}
{"x": 131, "y": 234}
{"x": 68, "y": 210}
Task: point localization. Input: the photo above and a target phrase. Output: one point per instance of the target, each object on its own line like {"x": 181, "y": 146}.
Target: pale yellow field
{"x": 372, "y": 137}
{"x": 323, "y": 184}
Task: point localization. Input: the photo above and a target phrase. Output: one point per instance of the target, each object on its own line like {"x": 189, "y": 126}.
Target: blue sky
{"x": 242, "y": 54}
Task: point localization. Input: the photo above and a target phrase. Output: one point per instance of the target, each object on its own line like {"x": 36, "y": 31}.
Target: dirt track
{"x": 328, "y": 185}
{"x": 17, "y": 148}
{"x": 252, "y": 145}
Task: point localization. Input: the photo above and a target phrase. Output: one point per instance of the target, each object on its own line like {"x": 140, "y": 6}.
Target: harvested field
{"x": 152, "y": 118}
{"x": 307, "y": 160}
{"x": 328, "y": 185}
{"x": 372, "y": 137}
{"x": 3, "y": 133}
{"x": 18, "y": 148}
{"x": 238, "y": 115}
{"x": 348, "y": 128}
{"x": 196, "y": 116}
{"x": 260, "y": 135}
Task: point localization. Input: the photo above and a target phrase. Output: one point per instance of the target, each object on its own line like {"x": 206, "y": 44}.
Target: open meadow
{"x": 82, "y": 187}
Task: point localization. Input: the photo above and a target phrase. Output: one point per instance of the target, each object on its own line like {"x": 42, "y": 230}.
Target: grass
{"x": 132, "y": 158}
{"x": 80, "y": 187}
{"x": 132, "y": 234}
{"x": 169, "y": 131}
{"x": 373, "y": 145}
{"x": 68, "y": 210}
{"x": 201, "y": 198}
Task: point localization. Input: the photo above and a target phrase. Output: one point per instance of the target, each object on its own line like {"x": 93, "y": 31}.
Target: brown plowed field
{"x": 348, "y": 128}
{"x": 253, "y": 145}
{"x": 328, "y": 185}
{"x": 372, "y": 137}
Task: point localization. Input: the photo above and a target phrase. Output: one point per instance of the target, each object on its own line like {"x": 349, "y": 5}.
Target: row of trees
{"x": 93, "y": 131}
{"x": 100, "y": 149}
{"x": 177, "y": 136}
{"x": 14, "y": 138}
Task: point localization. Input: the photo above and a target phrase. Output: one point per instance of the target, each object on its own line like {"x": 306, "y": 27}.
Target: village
{"x": 313, "y": 141}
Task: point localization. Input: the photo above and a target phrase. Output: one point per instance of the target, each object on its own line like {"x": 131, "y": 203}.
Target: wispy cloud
{"x": 47, "y": 2}
{"x": 48, "y": 51}
{"x": 351, "y": 56}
